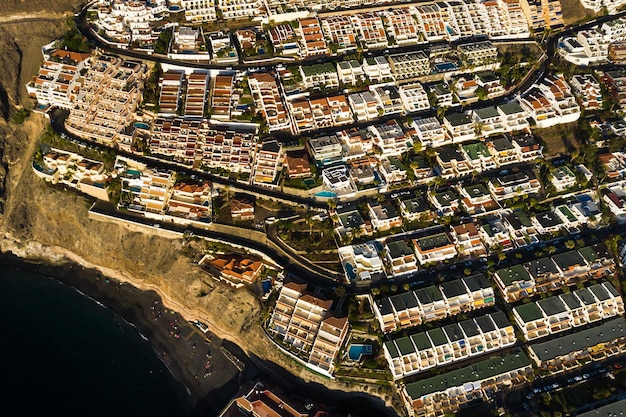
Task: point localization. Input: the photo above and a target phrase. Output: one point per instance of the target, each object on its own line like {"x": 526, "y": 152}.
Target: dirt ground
{"x": 573, "y": 11}
{"x": 559, "y": 140}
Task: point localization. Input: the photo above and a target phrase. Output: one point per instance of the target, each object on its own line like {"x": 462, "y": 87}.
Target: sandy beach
{"x": 196, "y": 359}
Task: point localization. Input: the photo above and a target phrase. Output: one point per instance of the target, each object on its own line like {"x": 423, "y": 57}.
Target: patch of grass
{"x": 20, "y": 116}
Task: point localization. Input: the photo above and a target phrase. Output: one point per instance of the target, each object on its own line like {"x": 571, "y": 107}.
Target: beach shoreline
{"x": 180, "y": 345}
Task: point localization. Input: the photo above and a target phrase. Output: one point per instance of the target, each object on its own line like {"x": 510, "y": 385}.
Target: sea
{"x": 64, "y": 354}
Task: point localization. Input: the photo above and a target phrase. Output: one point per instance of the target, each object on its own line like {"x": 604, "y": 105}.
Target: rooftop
{"x": 580, "y": 340}
{"x": 477, "y": 372}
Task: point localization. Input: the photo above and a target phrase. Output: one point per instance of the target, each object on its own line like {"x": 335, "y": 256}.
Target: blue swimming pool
{"x": 326, "y": 194}
{"x": 445, "y": 66}
{"x": 356, "y": 352}
{"x": 142, "y": 125}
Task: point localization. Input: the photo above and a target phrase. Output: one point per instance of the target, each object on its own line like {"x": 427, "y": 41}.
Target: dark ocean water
{"x": 62, "y": 354}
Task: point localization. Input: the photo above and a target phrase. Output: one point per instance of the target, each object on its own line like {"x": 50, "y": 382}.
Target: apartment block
{"x": 574, "y": 350}
{"x": 339, "y": 30}
{"x": 57, "y": 81}
{"x": 313, "y": 42}
{"x": 433, "y": 303}
{"x": 268, "y": 100}
{"x": 414, "y": 98}
{"x": 403, "y": 27}
{"x": 563, "y": 312}
{"x": 369, "y": 26}
{"x": 106, "y": 101}
{"x": 478, "y": 54}
{"x": 422, "y": 351}
{"x": 409, "y": 66}
{"x": 450, "y": 391}
{"x": 197, "y": 87}
{"x": 268, "y": 160}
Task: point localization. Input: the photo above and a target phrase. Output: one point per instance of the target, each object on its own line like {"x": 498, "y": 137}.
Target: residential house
{"x": 514, "y": 116}
{"x": 235, "y": 268}
{"x": 392, "y": 170}
{"x": 520, "y": 184}
{"x": 429, "y": 132}
{"x": 478, "y": 157}
{"x": 562, "y": 178}
{"x": 400, "y": 258}
{"x": 490, "y": 83}
{"x": 361, "y": 262}
{"x": 434, "y": 248}
{"x": 545, "y": 274}
{"x": 502, "y": 149}
{"x": 476, "y": 199}
{"x": 302, "y": 115}
{"x": 521, "y": 228}
{"x": 446, "y": 202}
{"x": 547, "y": 222}
{"x": 242, "y": 208}
{"x": 614, "y": 197}
{"x": 528, "y": 147}
{"x": 467, "y": 239}
{"x": 350, "y": 72}
{"x": 389, "y": 138}
{"x": 389, "y": 99}
{"x": 459, "y": 127}
{"x": 413, "y": 207}
{"x": 326, "y": 150}
{"x": 451, "y": 163}
{"x": 364, "y": 106}
{"x": 384, "y": 216}
{"x": 442, "y": 94}
{"x": 337, "y": 180}
{"x": 414, "y": 98}
{"x": 298, "y": 165}
{"x": 495, "y": 235}
{"x": 349, "y": 220}
{"x": 377, "y": 69}
{"x": 318, "y": 76}
{"x": 588, "y": 90}
{"x": 488, "y": 121}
